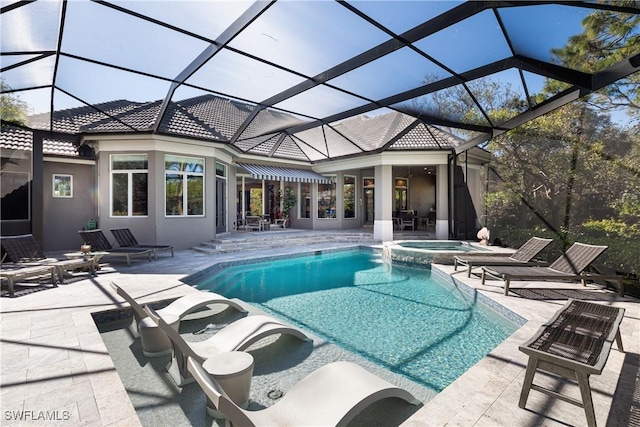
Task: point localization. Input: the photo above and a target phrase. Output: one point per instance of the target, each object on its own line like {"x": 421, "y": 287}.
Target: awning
{"x": 277, "y": 173}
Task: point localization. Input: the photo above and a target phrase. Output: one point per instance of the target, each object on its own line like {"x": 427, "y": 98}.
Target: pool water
{"x": 399, "y": 317}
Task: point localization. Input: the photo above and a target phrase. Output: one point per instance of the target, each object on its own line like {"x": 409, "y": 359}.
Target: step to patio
{"x": 262, "y": 241}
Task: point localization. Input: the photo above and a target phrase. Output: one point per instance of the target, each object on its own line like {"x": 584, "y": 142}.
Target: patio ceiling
{"x": 308, "y": 80}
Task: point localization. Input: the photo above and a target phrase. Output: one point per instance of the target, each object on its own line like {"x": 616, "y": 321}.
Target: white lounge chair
{"x": 237, "y": 336}
{"x": 156, "y": 343}
{"x": 330, "y": 396}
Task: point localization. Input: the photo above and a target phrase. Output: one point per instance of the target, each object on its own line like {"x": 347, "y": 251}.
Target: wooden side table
{"x": 94, "y": 257}
{"x": 233, "y": 371}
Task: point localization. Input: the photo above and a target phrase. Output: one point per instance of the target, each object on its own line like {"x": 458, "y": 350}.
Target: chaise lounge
{"x": 155, "y": 342}
{"x": 237, "y": 336}
{"x": 25, "y": 252}
{"x": 99, "y": 243}
{"x": 569, "y": 266}
{"x": 523, "y": 256}
{"x": 126, "y": 239}
{"x": 13, "y": 274}
{"x": 330, "y": 396}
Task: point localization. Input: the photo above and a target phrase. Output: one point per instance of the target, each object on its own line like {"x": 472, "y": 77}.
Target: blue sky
{"x": 307, "y": 37}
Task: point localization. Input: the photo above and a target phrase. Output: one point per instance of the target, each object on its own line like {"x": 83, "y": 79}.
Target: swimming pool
{"x": 404, "y": 318}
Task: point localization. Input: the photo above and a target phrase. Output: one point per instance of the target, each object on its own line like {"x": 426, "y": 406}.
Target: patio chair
{"x": 253, "y": 223}
{"x": 155, "y": 342}
{"x": 99, "y": 243}
{"x": 13, "y": 274}
{"x": 236, "y": 336}
{"x": 24, "y": 251}
{"x": 569, "y": 266}
{"x": 332, "y": 395}
{"x": 126, "y": 239}
{"x": 407, "y": 220}
{"x": 523, "y": 256}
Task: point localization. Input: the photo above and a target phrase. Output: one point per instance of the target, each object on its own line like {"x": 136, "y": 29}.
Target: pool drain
{"x": 274, "y": 394}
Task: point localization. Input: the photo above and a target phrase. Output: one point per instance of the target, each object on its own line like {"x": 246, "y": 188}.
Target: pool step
{"x": 263, "y": 241}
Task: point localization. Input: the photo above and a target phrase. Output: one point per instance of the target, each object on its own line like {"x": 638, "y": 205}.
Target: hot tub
{"x": 428, "y": 251}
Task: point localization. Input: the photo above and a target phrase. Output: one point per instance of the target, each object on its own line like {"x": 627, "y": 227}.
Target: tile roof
{"x": 210, "y": 117}
{"x": 14, "y": 138}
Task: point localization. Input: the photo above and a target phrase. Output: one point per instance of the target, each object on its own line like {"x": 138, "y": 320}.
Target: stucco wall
{"x": 156, "y": 228}
{"x": 63, "y": 217}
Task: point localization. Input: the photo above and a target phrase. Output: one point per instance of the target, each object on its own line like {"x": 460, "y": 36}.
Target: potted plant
{"x": 289, "y": 199}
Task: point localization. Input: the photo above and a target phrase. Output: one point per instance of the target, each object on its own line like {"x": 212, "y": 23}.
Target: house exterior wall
{"x": 425, "y": 193}
{"x": 63, "y": 216}
{"x": 157, "y": 228}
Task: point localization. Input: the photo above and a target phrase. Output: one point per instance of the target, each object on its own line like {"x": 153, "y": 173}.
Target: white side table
{"x": 233, "y": 371}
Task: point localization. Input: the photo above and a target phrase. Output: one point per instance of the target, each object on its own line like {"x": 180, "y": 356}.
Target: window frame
{"x": 304, "y": 211}
{"x": 185, "y": 184}
{"x": 334, "y": 197}
{"x": 129, "y": 173}
{"x": 57, "y": 176}
{"x": 354, "y": 178}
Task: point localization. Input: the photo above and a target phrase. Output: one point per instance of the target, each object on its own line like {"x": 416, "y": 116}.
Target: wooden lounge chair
{"x": 126, "y": 239}
{"x": 569, "y": 266}
{"x": 330, "y": 396}
{"x": 14, "y": 274}
{"x": 99, "y": 243}
{"x": 236, "y": 336}
{"x": 523, "y": 256}
{"x": 24, "y": 251}
{"x": 575, "y": 343}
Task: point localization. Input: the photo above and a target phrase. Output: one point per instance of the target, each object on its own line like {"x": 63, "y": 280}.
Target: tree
{"x": 608, "y": 38}
{"x": 12, "y": 108}
{"x": 289, "y": 199}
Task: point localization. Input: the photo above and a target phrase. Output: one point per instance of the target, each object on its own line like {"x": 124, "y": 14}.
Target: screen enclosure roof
{"x": 303, "y": 80}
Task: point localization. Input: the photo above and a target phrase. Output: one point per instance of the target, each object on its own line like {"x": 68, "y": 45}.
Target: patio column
{"x": 383, "y": 222}
{"x": 442, "y": 203}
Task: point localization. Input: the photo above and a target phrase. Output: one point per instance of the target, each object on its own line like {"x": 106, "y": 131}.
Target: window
{"x": 221, "y": 197}
{"x": 129, "y": 173}
{"x": 401, "y": 194}
{"x": 305, "y": 200}
{"x": 327, "y": 200}
{"x": 62, "y": 185}
{"x": 184, "y": 186}
{"x": 16, "y": 195}
{"x": 349, "y": 196}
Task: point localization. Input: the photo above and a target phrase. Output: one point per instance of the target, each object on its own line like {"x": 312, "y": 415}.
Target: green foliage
{"x": 611, "y": 228}
{"x": 12, "y": 108}
{"x": 608, "y": 38}
{"x": 289, "y": 199}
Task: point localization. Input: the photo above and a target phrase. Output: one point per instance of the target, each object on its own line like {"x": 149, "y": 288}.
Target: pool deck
{"x": 55, "y": 364}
